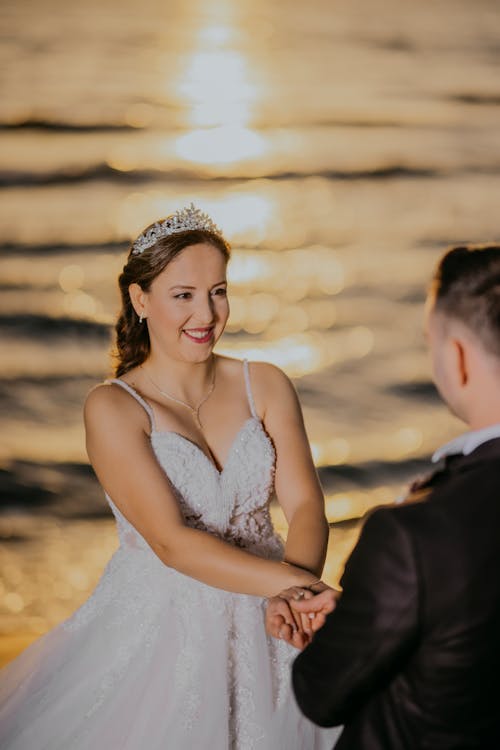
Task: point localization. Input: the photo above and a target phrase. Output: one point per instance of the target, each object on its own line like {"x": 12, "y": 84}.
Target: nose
{"x": 205, "y": 310}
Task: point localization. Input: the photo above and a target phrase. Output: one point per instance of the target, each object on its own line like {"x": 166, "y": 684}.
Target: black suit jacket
{"x": 410, "y": 658}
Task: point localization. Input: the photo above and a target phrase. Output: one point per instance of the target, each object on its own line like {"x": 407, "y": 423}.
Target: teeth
{"x": 198, "y": 335}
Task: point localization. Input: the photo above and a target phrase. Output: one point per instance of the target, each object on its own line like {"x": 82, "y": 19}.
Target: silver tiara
{"x": 183, "y": 220}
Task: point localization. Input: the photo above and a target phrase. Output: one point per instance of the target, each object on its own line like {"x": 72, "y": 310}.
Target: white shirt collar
{"x": 467, "y": 442}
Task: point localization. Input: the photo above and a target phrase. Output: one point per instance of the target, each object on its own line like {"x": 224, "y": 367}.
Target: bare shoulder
{"x": 228, "y": 366}
{"x": 273, "y": 390}
{"x": 103, "y": 396}
{"x": 266, "y": 376}
{"x": 259, "y": 371}
{"x": 110, "y": 404}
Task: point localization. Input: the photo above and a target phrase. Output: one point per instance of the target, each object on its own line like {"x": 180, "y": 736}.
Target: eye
{"x": 183, "y": 295}
{"x": 221, "y": 291}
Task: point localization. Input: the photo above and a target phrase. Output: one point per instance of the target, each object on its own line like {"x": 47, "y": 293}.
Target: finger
{"x": 300, "y": 640}
{"x": 303, "y": 593}
{"x": 296, "y": 593}
{"x": 278, "y": 619}
{"x": 318, "y": 619}
{"x": 274, "y": 625}
{"x": 307, "y": 605}
{"x": 286, "y": 633}
{"x": 318, "y": 622}
{"x": 323, "y": 602}
{"x": 290, "y": 617}
{"x": 280, "y": 606}
{"x": 306, "y": 623}
{"x": 323, "y": 611}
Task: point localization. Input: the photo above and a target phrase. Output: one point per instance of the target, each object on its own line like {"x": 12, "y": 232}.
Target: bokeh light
{"x": 330, "y": 159}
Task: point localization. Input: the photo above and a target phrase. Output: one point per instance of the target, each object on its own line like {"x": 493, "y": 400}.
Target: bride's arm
{"x": 121, "y": 455}
{"x": 297, "y": 485}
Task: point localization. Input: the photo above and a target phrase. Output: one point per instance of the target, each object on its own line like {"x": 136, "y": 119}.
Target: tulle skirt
{"x": 156, "y": 660}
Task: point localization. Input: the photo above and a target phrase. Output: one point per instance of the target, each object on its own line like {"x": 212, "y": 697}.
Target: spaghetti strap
{"x": 138, "y": 398}
{"x": 248, "y": 386}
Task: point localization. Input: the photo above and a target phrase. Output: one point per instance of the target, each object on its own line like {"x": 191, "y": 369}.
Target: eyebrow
{"x": 184, "y": 286}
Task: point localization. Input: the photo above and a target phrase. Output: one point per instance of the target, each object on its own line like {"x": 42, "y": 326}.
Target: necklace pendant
{"x": 194, "y": 410}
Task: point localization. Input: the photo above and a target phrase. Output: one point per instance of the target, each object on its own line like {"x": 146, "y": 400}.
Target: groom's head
{"x": 463, "y": 327}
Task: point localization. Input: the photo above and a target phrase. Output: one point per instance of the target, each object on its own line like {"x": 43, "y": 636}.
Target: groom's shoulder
{"x": 387, "y": 523}
{"x": 450, "y": 502}
{"x": 403, "y": 519}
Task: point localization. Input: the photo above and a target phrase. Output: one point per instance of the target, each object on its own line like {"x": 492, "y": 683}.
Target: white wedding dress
{"x": 157, "y": 660}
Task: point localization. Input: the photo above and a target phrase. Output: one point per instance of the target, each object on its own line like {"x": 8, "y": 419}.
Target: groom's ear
{"x": 461, "y": 362}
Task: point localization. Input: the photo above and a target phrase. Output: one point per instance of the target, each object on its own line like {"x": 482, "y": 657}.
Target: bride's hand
{"x": 299, "y": 594}
{"x": 318, "y": 606}
{"x": 281, "y": 622}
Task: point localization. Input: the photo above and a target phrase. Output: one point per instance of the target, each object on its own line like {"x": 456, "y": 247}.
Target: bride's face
{"x": 186, "y": 307}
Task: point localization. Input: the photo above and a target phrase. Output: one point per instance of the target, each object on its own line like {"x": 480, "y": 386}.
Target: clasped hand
{"x": 297, "y": 613}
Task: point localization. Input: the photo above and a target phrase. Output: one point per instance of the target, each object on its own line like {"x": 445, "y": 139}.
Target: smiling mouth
{"x": 199, "y": 335}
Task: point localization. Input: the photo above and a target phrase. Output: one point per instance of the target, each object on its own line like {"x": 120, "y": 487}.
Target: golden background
{"x": 340, "y": 145}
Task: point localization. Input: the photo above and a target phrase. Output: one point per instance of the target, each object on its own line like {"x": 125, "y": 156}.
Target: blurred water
{"x": 341, "y": 146}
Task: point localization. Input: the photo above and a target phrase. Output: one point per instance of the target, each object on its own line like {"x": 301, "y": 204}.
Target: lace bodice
{"x": 232, "y": 503}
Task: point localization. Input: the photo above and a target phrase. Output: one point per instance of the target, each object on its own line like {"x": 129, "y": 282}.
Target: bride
{"x": 170, "y": 650}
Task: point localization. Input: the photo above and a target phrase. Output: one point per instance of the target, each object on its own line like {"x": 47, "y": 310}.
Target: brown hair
{"x": 132, "y": 337}
{"x": 466, "y": 286}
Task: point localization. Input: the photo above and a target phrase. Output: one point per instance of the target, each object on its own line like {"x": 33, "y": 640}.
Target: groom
{"x": 410, "y": 656}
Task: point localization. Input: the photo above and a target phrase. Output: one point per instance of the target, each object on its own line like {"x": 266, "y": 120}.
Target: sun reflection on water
{"x": 219, "y": 89}
{"x": 226, "y": 144}
{"x": 331, "y": 452}
{"x": 341, "y": 506}
{"x": 282, "y": 308}
{"x": 216, "y": 35}
{"x": 301, "y": 353}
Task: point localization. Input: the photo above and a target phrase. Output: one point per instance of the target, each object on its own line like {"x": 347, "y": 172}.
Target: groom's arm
{"x": 372, "y": 629}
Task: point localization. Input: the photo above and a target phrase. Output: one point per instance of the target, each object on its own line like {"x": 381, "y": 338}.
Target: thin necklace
{"x": 195, "y": 410}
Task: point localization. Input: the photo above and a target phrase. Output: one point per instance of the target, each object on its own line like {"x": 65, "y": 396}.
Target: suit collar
{"x": 421, "y": 488}
{"x": 467, "y": 443}
{"x": 487, "y": 451}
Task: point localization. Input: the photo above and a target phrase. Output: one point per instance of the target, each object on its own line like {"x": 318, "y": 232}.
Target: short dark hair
{"x": 466, "y": 286}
